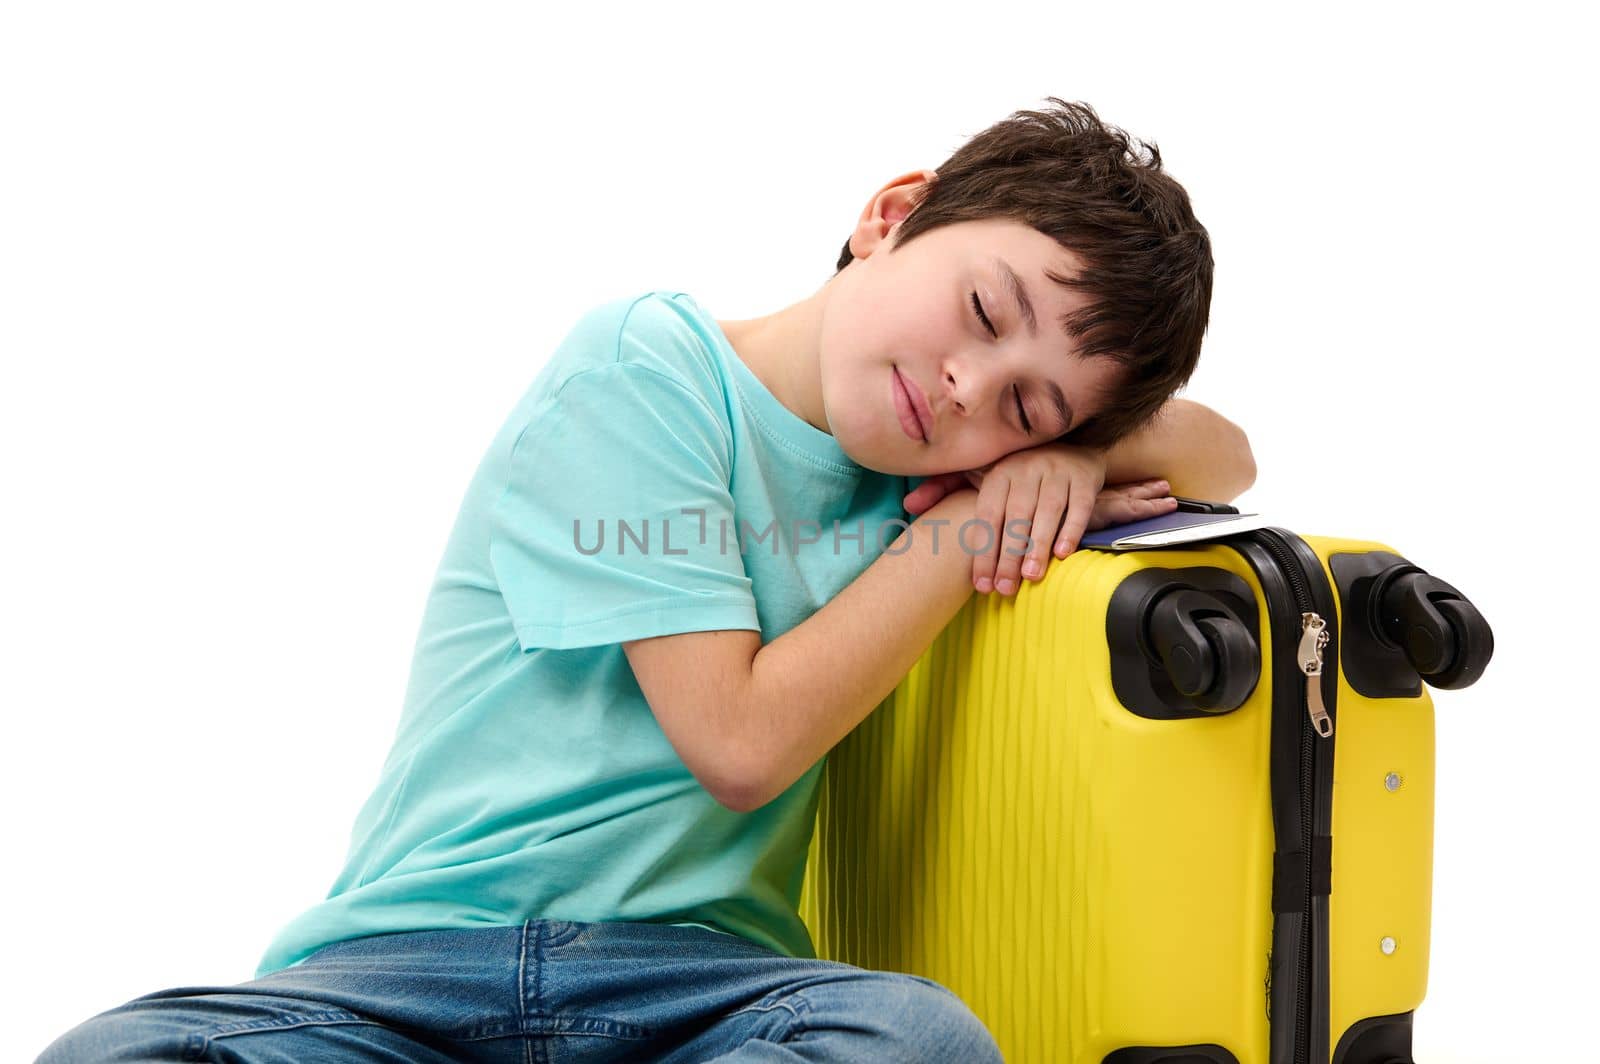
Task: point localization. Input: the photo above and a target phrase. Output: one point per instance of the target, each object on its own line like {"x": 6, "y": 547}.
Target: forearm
{"x": 809, "y": 687}
{"x": 1197, "y": 451}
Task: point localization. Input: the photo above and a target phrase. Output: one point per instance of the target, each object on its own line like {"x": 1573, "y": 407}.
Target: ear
{"x": 886, "y": 209}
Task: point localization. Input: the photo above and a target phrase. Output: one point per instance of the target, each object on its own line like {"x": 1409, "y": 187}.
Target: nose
{"x": 952, "y": 393}
{"x": 966, "y": 384}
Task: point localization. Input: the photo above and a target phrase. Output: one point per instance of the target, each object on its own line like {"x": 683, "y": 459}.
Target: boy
{"x": 679, "y": 576}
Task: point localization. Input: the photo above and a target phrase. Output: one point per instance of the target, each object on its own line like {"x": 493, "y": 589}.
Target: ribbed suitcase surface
{"x": 1095, "y": 882}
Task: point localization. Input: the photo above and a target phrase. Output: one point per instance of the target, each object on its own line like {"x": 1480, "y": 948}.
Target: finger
{"x": 1046, "y": 528}
{"x": 1080, "y": 505}
{"x": 1143, "y": 489}
{"x": 946, "y": 482}
{"x": 1021, "y": 506}
{"x": 990, "y": 512}
{"x": 1110, "y": 508}
{"x": 932, "y": 489}
{"x": 923, "y": 496}
{"x": 1123, "y": 511}
{"x": 1150, "y": 489}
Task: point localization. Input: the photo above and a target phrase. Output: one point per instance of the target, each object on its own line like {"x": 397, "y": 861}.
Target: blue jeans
{"x": 545, "y": 991}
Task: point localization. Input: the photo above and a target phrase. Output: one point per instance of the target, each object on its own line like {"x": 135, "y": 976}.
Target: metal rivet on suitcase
{"x": 1392, "y": 781}
{"x": 1387, "y": 944}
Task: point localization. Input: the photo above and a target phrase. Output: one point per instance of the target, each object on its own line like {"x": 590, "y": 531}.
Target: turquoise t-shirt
{"x": 528, "y": 776}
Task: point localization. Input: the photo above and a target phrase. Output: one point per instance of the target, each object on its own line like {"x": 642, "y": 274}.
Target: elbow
{"x": 755, "y": 781}
{"x": 1233, "y": 475}
{"x": 740, "y": 799}
{"x": 743, "y": 795}
{"x": 741, "y": 780}
{"x": 1247, "y": 465}
{"x": 722, "y": 776}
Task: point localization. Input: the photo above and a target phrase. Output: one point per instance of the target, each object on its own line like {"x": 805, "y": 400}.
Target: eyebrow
{"x": 1019, "y": 293}
{"x": 1059, "y": 401}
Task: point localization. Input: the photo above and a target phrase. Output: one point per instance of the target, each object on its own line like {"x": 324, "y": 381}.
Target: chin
{"x": 860, "y": 451}
{"x": 888, "y": 463}
{"x": 863, "y": 453}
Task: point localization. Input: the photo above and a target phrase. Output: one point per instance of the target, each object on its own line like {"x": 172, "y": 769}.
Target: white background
{"x": 274, "y": 274}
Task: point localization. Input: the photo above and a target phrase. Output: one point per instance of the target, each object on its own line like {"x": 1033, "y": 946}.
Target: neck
{"x": 783, "y": 350}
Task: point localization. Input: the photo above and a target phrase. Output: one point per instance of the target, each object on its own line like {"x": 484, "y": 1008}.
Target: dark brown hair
{"x": 1147, "y": 261}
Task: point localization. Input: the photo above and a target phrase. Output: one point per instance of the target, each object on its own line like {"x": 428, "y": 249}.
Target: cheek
{"x": 984, "y": 448}
{"x": 852, "y": 402}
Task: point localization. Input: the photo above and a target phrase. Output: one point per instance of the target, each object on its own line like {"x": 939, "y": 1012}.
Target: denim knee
{"x": 120, "y": 1035}
{"x": 937, "y": 1019}
{"x": 891, "y": 1016}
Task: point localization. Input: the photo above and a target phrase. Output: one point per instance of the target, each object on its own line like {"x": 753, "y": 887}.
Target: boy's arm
{"x": 749, "y": 720}
{"x": 1196, "y": 450}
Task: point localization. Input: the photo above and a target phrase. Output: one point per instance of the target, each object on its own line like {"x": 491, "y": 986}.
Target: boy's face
{"x": 909, "y": 317}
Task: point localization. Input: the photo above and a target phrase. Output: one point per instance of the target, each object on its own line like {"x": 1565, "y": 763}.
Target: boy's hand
{"x": 1056, "y": 490}
{"x": 1123, "y": 503}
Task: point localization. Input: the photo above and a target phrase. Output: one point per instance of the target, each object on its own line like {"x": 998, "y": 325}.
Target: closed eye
{"x": 1022, "y": 413}
{"x": 977, "y": 308}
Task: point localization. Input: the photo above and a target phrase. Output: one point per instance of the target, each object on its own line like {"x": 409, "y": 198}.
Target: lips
{"x": 912, "y": 407}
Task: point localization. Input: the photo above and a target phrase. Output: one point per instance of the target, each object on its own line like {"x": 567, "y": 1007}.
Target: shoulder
{"x": 661, "y": 333}
{"x": 668, "y": 332}
{"x": 638, "y": 372}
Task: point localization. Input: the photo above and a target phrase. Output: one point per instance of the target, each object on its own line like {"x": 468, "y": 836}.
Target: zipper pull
{"x": 1313, "y": 637}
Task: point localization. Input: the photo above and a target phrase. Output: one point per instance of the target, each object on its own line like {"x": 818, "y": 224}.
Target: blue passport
{"x": 1170, "y": 530}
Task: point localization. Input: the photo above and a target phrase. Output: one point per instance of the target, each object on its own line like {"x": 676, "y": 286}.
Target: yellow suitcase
{"x": 1116, "y": 815}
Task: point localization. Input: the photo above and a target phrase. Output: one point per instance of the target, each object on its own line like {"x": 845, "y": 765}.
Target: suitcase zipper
{"x": 1317, "y": 721}
{"x": 1313, "y": 637}
{"x": 1313, "y": 631}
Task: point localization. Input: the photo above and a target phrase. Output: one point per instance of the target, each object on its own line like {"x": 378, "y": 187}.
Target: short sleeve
{"x": 611, "y": 524}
